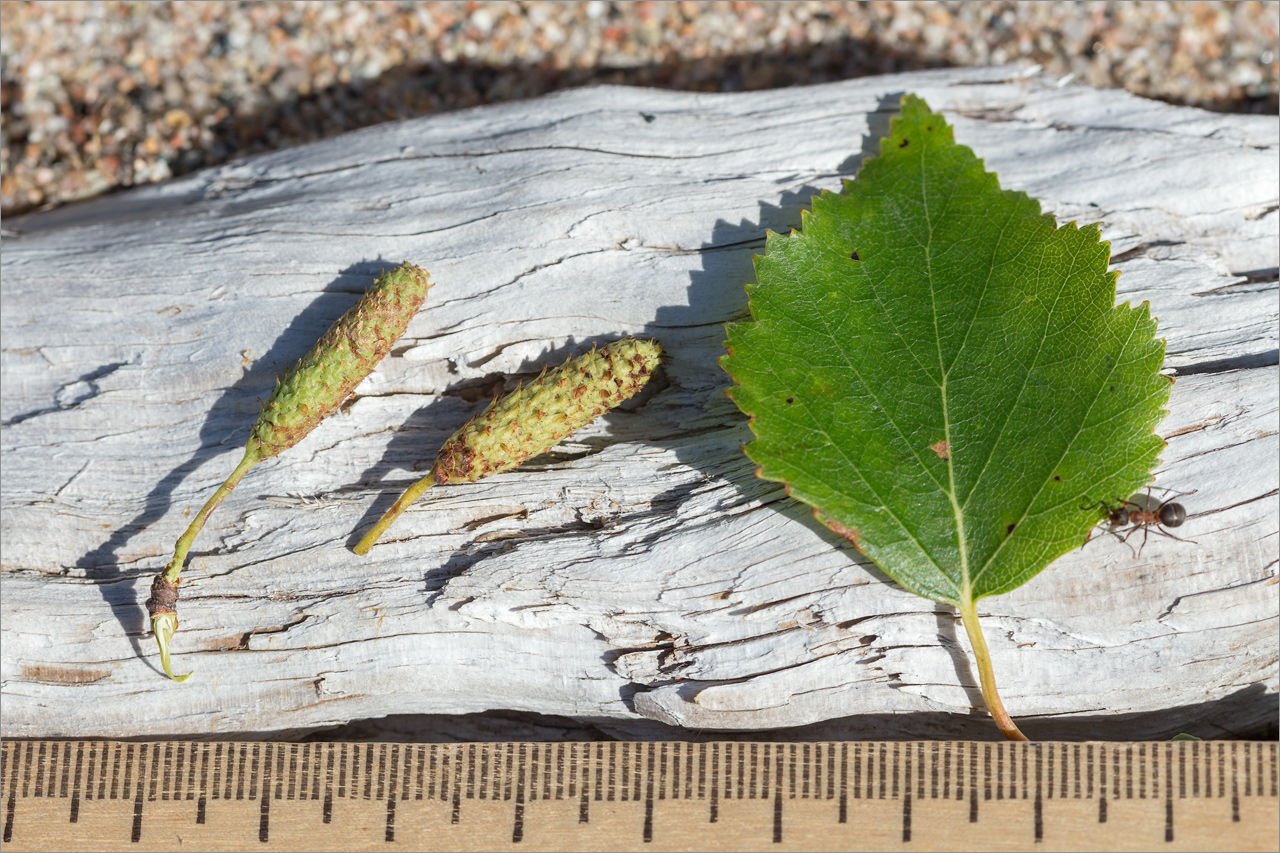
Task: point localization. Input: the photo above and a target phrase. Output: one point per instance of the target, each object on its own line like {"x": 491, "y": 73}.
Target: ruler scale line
{"x": 637, "y": 772}
{"x": 153, "y": 776}
{"x": 75, "y": 786}
{"x": 40, "y": 763}
{"x": 326, "y": 808}
{"x": 804, "y": 771}
{"x": 742, "y": 769}
{"x": 906, "y": 798}
{"x": 584, "y": 797}
{"x": 174, "y": 762}
{"x": 14, "y": 756}
{"x": 662, "y": 772}
{"x": 517, "y": 826}
{"x": 714, "y": 809}
{"x": 1248, "y": 773}
{"x": 392, "y": 779}
{"x": 1038, "y": 803}
{"x": 895, "y": 771}
{"x": 90, "y": 771}
{"x": 67, "y": 770}
{"x": 647, "y": 831}
{"x": 1235, "y": 788}
{"x": 262, "y": 775}
{"x": 844, "y": 781}
{"x": 973, "y": 783}
{"x": 456, "y": 791}
{"x": 777, "y": 795}
{"x": 599, "y": 780}
{"x": 201, "y": 803}
{"x": 136, "y": 831}
{"x": 534, "y": 766}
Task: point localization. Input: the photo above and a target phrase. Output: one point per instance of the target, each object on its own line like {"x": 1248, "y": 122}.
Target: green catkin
{"x": 310, "y": 392}
{"x": 532, "y": 419}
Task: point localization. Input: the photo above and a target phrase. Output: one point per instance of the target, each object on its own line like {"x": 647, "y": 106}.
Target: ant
{"x": 1142, "y": 516}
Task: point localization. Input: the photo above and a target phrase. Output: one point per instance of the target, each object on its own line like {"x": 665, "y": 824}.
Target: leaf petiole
{"x": 969, "y": 616}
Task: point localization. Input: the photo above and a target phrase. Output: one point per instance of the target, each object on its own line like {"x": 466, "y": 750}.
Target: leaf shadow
{"x": 727, "y": 267}
{"x": 225, "y": 429}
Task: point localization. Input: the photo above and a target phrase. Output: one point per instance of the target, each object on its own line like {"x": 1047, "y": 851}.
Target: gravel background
{"x": 110, "y": 94}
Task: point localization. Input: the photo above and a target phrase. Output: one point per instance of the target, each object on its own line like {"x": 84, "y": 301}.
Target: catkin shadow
{"x": 224, "y": 432}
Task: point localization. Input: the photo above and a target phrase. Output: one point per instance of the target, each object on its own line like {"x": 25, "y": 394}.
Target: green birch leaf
{"x": 942, "y": 373}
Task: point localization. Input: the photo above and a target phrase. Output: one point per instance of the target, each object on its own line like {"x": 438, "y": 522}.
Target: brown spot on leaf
{"x": 851, "y": 534}
{"x": 942, "y": 448}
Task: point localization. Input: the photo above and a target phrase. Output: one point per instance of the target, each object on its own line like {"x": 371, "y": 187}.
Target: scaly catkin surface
{"x": 531, "y": 419}
{"x": 344, "y": 356}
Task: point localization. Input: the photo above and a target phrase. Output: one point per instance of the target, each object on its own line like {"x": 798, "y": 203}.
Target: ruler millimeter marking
{"x": 618, "y": 795}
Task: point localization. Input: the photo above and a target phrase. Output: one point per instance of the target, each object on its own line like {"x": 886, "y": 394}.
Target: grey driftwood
{"x": 640, "y": 574}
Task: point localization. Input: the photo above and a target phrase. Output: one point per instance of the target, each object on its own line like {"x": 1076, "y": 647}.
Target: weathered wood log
{"x": 640, "y": 572}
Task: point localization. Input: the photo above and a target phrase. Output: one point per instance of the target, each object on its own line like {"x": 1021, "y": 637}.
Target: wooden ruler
{"x": 107, "y": 795}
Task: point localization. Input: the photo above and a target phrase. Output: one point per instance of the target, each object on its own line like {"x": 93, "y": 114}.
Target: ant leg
{"x": 1171, "y": 495}
{"x": 1164, "y": 532}
{"x": 1145, "y": 527}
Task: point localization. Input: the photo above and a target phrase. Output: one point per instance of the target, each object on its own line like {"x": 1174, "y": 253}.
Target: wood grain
{"x": 640, "y": 573}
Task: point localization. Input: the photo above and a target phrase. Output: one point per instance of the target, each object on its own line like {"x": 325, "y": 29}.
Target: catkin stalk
{"x": 307, "y": 394}
{"x": 532, "y": 419}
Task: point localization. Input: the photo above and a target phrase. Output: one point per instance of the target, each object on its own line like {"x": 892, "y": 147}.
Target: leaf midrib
{"x": 956, "y": 510}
